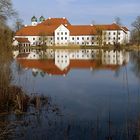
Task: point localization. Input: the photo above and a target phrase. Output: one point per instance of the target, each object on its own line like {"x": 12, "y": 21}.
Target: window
{"x": 114, "y": 38}
{"x": 77, "y": 38}
{"x": 109, "y": 38}
{"x": 73, "y": 38}
{"x": 65, "y": 33}
{"x": 119, "y": 38}
{"x": 87, "y": 38}
{"x": 82, "y": 38}
{"x": 65, "y": 38}
{"x": 114, "y": 33}
{"x": 109, "y": 33}
{"x": 61, "y": 33}
{"x": 57, "y": 33}
{"x": 33, "y": 38}
{"x": 61, "y": 38}
{"x": 92, "y": 38}
{"x": 57, "y": 38}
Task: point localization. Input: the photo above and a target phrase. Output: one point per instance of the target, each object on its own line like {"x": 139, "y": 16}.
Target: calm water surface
{"x": 96, "y": 91}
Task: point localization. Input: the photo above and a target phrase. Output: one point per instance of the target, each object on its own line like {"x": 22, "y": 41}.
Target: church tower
{"x": 34, "y": 21}
{"x": 41, "y": 19}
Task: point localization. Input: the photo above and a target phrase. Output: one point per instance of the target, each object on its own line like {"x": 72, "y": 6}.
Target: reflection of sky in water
{"x": 83, "y": 94}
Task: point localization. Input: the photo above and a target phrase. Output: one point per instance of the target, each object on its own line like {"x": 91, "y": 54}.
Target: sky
{"x": 80, "y": 11}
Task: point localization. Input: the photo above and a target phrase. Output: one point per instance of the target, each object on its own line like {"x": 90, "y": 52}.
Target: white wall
{"x": 62, "y": 36}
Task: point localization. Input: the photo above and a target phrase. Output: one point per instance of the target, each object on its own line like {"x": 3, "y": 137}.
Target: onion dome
{"x": 34, "y": 19}
{"x": 41, "y": 19}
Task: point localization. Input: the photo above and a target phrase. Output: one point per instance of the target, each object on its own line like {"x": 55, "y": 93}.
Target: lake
{"x": 93, "y": 94}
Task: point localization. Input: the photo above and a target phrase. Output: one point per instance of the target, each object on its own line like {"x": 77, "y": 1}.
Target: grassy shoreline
{"x": 123, "y": 47}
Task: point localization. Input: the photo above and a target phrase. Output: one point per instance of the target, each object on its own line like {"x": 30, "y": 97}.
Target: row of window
{"x": 83, "y": 56}
{"x": 62, "y": 38}
{"x": 73, "y": 38}
{"x": 62, "y": 33}
{"x": 83, "y": 38}
{"x": 43, "y": 38}
{"x": 113, "y": 38}
{"x": 65, "y": 38}
{"x": 24, "y": 44}
{"x": 114, "y": 33}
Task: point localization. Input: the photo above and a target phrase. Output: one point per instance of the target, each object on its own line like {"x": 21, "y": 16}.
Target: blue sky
{"x": 80, "y": 11}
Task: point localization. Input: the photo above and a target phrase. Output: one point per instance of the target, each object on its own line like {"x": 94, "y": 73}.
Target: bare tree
{"x": 118, "y": 20}
{"x": 18, "y": 24}
{"x": 99, "y": 35}
{"x": 136, "y": 30}
{"x": 6, "y": 10}
{"x": 43, "y": 39}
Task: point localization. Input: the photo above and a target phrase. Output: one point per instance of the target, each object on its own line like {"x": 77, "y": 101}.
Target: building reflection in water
{"x": 60, "y": 62}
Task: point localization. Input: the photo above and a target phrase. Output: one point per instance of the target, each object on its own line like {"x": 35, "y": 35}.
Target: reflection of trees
{"x": 136, "y": 63}
{"x": 23, "y": 112}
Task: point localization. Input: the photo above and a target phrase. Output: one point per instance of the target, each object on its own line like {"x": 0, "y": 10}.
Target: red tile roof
{"x": 108, "y": 27}
{"x": 125, "y": 28}
{"x": 50, "y": 25}
{"x": 22, "y": 40}
{"x": 55, "y": 21}
{"x": 79, "y": 30}
{"x": 37, "y": 30}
